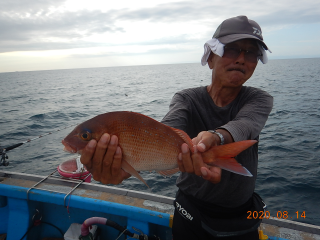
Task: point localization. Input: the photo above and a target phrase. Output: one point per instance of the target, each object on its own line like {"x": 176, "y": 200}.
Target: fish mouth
{"x": 237, "y": 69}
{"x": 68, "y": 148}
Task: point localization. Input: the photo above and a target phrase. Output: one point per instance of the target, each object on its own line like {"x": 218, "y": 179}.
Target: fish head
{"x": 76, "y": 141}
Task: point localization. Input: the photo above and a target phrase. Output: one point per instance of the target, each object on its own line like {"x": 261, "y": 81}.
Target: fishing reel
{"x": 4, "y": 157}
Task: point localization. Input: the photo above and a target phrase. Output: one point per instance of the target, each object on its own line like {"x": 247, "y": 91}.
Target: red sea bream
{"x": 149, "y": 145}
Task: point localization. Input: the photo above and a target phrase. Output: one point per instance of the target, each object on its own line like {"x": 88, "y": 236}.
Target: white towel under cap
{"x": 264, "y": 57}
{"x": 212, "y": 45}
{"x": 215, "y": 46}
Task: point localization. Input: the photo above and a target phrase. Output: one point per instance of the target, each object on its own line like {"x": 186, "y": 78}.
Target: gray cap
{"x": 237, "y": 28}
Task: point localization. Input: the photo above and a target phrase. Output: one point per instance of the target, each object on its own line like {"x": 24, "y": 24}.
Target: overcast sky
{"x": 59, "y": 34}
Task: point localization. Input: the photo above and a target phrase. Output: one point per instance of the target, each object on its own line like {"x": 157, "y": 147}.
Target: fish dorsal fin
{"x": 168, "y": 172}
{"x": 231, "y": 149}
{"x": 185, "y": 137}
{"x": 129, "y": 169}
{"x": 231, "y": 165}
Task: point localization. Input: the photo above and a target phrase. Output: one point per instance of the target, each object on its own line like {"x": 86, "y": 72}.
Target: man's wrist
{"x": 219, "y": 135}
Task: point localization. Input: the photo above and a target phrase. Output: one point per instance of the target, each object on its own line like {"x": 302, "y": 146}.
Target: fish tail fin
{"x": 129, "y": 169}
{"x": 231, "y": 165}
{"x": 223, "y": 156}
{"x": 231, "y": 150}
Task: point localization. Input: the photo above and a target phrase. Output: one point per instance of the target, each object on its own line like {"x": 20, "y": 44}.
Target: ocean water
{"x": 37, "y": 102}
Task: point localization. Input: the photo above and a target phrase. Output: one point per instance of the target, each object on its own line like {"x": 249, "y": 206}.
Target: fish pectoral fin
{"x": 169, "y": 172}
{"x": 231, "y": 165}
{"x": 129, "y": 169}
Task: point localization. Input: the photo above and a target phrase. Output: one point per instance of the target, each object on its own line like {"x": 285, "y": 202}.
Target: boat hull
{"x": 26, "y": 198}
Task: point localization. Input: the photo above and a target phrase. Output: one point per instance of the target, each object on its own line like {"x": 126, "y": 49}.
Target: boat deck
{"x": 95, "y": 191}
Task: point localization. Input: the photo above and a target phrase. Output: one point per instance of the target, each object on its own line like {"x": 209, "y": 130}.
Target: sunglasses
{"x": 234, "y": 53}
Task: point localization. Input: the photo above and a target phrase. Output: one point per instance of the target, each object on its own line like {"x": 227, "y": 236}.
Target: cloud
{"x": 268, "y": 12}
{"x": 30, "y": 6}
{"x": 288, "y": 16}
{"x": 169, "y": 12}
{"x": 55, "y": 30}
{"x": 58, "y": 24}
{"x": 47, "y": 24}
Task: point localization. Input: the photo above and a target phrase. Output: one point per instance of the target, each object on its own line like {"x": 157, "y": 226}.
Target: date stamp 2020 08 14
{"x": 280, "y": 215}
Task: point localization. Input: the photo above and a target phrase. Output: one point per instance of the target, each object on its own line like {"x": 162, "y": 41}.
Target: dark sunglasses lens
{"x": 231, "y": 53}
{"x": 251, "y": 57}
{"x": 234, "y": 53}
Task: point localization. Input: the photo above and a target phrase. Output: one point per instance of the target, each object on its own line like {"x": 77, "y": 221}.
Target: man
{"x": 223, "y": 112}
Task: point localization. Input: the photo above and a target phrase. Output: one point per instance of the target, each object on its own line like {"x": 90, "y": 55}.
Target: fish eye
{"x": 86, "y": 136}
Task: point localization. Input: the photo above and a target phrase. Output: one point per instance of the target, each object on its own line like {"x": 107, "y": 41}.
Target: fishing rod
{"x": 3, "y": 151}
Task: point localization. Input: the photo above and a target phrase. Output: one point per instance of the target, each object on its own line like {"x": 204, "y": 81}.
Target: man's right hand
{"x": 103, "y": 160}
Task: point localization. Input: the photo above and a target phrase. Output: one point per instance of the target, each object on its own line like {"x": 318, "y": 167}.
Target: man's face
{"x": 233, "y": 72}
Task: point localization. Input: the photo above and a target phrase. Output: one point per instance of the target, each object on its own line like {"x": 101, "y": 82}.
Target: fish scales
{"x": 147, "y": 146}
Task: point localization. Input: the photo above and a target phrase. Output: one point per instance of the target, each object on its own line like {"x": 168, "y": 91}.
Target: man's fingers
{"x": 101, "y": 149}
{"x": 97, "y": 160}
{"x": 107, "y": 173}
{"x": 196, "y": 140}
{"x": 213, "y": 174}
{"x": 197, "y": 162}
{"x": 116, "y": 167}
{"x": 88, "y": 153}
{"x": 103, "y": 159}
{"x": 112, "y": 148}
{"x": 190, "y": 163}
{"x": 180, "y": 163}
{"x": 186, "y": 158}
{"x": 208, "y": 140}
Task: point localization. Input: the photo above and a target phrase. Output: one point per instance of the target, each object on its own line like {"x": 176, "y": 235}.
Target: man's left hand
{"x": 192, "y": 162}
